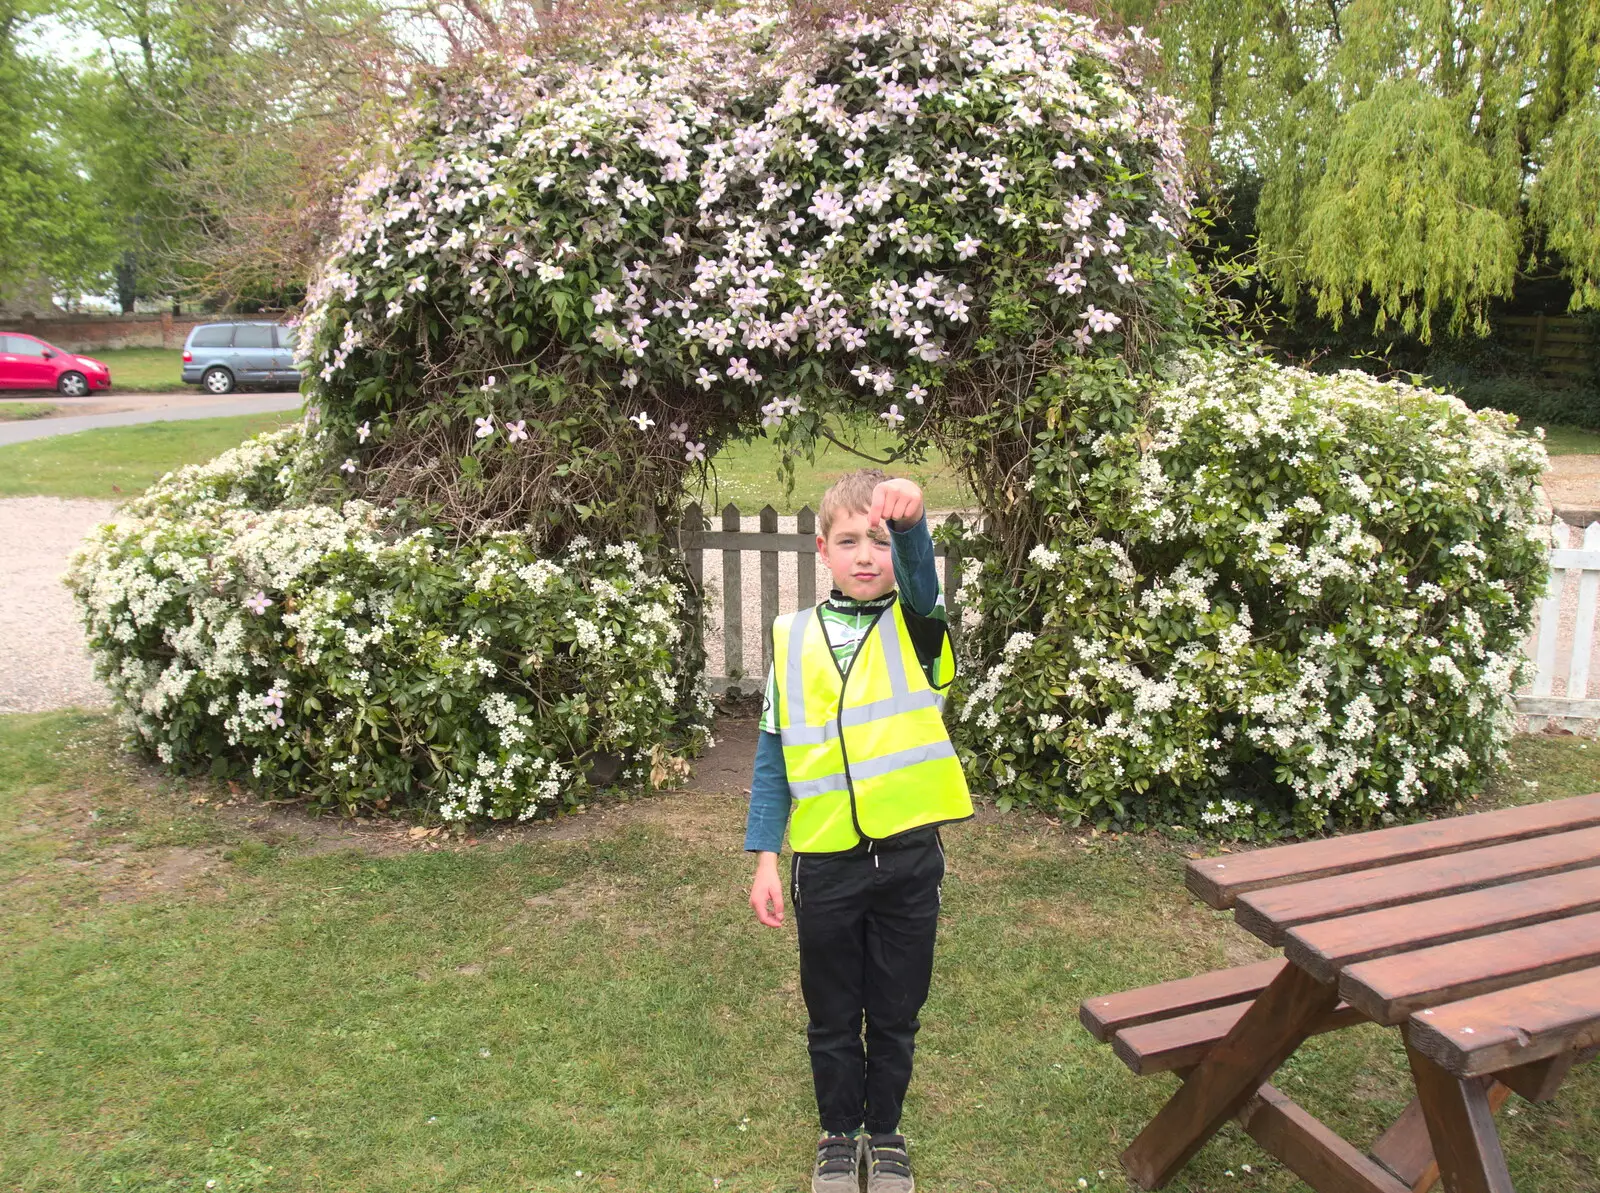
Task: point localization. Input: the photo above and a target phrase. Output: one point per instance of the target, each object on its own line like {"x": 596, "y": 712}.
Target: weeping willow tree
{"x": 1412, "y": 156}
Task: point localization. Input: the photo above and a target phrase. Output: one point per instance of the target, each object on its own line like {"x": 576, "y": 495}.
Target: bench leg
{"x": 1539, "y": 1081}
{"x": 1310, "y": 1150}
{"x": 1405, "y": 1149}
{"x": 1279, "y": 1020}
{"x": 1461, "y": 1125}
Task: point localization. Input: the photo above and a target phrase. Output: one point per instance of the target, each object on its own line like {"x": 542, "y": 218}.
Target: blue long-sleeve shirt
{"x": 917, "y": 579}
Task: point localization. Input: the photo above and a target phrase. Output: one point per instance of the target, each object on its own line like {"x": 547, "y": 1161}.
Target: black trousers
{"x": 866, "y": 922}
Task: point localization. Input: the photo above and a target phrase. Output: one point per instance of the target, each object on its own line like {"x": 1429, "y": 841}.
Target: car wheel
{"x": 218, "y": 381}
{"x": 72, "y": 385}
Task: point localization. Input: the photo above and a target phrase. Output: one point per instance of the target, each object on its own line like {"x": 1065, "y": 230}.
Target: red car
{"x": 27, "y": 362}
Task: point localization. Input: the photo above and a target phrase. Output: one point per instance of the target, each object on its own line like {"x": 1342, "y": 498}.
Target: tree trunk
{"x": 126, "y": 289}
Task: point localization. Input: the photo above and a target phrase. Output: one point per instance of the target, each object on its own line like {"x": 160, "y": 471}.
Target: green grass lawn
{"x": 1571, "y": 441}
{"x": 121, "y": 461}
{"x": 11, "y": 412}
{"x": 89, "y": 463}
{"x": 206, "y": 992}
{"x": 144, "y": 370}
{"x": 747, "y": 475}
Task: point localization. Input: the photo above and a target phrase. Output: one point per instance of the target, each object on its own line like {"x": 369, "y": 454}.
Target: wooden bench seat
{"x": 1105, "y": 1016}
{"x": 1168, "y": 1027}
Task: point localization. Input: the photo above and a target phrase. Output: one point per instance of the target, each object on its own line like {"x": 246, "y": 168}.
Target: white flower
{"x": 1124, "y": 274}
{"x": 1101, "y": 321}
{"x": 349, "y": 465}
{"x": 395, "y": 309}
{"x": 696, "y": 453}
{"x": 485, "y": 427}
{"x": 630, "y": 378}
{"x": 258, "y": 603}
{"x": 678, "y": 432}
{"x": 917, "y": 394}
{"x": 968, "y": 246}
{"x": 489, "y": 383}
{"x": 893, "y": 417}
{"x": 707, "y": 378}
{"x": 363, "y": 431}
{"x": 644, "y": 421}
{"x": 1081, "y": 339}
{"x": 517, "y": 430}
{"x": 415, "y": 284}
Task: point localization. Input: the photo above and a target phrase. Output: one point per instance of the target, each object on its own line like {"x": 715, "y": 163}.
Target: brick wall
{"x": 86, "y": 333}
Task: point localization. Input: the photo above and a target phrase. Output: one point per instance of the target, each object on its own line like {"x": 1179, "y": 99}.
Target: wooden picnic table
{"x": 1478, "y": 937}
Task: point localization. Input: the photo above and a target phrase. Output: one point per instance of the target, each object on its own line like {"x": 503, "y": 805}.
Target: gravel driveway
{"x": 43, "y": 663}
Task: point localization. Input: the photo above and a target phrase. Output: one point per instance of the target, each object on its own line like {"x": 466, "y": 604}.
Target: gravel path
{"x": 1573, "y": 483}
{"x": 43, "y": 663}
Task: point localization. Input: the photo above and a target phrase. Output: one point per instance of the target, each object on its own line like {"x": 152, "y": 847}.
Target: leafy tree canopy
{"x": 1412, "y": 156}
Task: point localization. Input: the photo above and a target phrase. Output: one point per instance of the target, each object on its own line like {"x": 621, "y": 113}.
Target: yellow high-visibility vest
{"x": 866, "y": 751}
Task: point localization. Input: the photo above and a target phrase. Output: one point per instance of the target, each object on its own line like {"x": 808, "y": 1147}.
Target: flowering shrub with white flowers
{"x": 335, "y": 658}
{"x": 576, "y": 273}
{"x": 566, "y": 278}
{"x": 1258, "y": 599}
{"x": 1233, "y": 595}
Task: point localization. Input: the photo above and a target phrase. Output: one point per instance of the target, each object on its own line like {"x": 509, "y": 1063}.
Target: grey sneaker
{"x": 888, "y": 1165}
{"x": 838, "y": 1164}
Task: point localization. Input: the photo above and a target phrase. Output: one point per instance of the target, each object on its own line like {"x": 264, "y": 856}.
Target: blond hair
{"x": 850, "y": 494}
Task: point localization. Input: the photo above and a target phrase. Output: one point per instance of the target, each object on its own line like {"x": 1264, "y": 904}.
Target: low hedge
{"x": 1264, "y": 599}
{"x": 325, "y": 654}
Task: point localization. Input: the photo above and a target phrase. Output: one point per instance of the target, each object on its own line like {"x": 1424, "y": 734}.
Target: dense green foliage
{"x": 1397, "y": 145}
{"x": 50, "y": 224}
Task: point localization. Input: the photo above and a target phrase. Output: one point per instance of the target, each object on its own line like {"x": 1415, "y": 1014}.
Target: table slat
{"x": 1391, "y": 988}
{"x": 1269, "y": 914}
{"x": 1325, "y": 947}
{"x": 1108, "y": 1014}
{"x": 1220, "y": 881}
{"x": 1511, "y": 1027}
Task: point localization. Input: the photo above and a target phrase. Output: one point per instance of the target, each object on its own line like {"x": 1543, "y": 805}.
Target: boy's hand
{"x": 899, "y": 500}
{"x": 768, "y": 889}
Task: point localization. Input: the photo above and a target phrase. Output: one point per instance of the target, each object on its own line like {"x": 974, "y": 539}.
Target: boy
{"x": 853, "y": 741}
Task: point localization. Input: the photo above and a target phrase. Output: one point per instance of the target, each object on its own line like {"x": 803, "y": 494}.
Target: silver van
{"x": 223, "y": 357}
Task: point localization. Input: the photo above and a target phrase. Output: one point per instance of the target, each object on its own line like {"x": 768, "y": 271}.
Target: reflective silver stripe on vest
{"x": 826, "y": 785}
{"x": 862, "y": 714}
{"x": 873, "y": 768}
{"x": 796, "y": 680}
{"x": 889, "y": 633}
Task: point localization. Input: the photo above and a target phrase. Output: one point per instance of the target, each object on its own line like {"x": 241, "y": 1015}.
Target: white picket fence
{"x": 1563, "y": 643}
